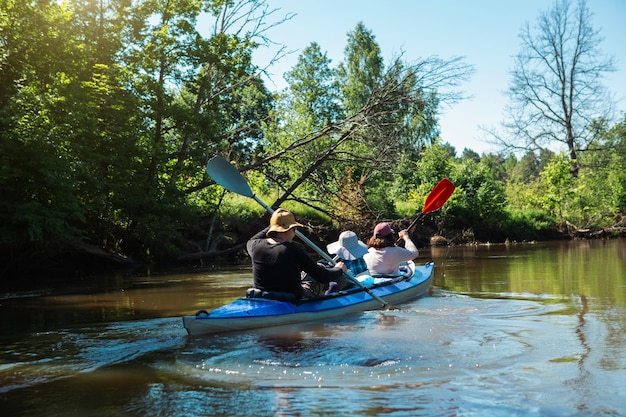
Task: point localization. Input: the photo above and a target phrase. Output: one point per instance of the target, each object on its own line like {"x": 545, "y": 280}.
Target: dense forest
{"x": 110, "y": 110}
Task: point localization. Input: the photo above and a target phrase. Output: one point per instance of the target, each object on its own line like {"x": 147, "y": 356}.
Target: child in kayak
{"x": 349, "y": 250}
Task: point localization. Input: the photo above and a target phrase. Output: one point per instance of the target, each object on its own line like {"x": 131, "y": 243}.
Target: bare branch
{"x": 555, "y": 91}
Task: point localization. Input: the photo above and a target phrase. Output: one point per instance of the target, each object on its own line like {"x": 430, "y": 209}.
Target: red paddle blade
{"x": 438, "y": 196}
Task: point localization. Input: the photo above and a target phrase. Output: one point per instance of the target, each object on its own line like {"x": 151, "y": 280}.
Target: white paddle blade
{"x": 226, "y": 175}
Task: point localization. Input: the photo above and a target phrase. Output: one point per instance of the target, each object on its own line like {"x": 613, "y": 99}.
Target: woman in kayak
{"x": 384, "y": 257}
{"x": 277, "y": 261}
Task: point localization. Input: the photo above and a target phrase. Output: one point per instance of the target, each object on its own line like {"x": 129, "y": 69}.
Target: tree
{"x": 312, "y": 89}
{"x": 479, "y": 198}
{"x": 37, "y": 175}
{"x": 109, "y": 110}
{"x": 470, "y": 154}
{"x": 310, "y": 104}
{"x": 601, "y": 189}
{"x": 200, "y": 95}
{"x": 558, "y": 187}
{"x": 346, "y": 165}
{"x": 555, "y": 91}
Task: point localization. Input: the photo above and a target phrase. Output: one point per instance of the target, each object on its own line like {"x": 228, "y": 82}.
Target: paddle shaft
{"x": 417, "y": 219}
{"x": 408, "y": 229}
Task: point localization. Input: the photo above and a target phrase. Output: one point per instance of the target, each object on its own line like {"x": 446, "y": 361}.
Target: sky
{"x": 484, "y": 32}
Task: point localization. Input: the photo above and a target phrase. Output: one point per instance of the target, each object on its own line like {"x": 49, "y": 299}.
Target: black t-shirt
{"x": 277, "y": 267}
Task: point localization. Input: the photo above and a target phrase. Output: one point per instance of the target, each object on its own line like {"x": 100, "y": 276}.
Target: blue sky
{"x": 484, "y": 32}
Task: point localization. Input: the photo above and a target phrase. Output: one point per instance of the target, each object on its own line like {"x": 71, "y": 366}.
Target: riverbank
{"x": 83, "y": 261}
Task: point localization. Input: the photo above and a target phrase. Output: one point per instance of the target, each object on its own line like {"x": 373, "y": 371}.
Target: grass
{"x": 247, "y": 209}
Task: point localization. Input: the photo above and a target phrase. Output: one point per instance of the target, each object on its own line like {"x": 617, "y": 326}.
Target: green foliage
{"x": 344, "y": 167}
{"x": 310, "y": 104}
{"x": 599, "y": 190}
{"x": 479, "y": 201}
{"x": 557, "y": 184}
{"x": 110, "y": 110}
{"x": 106, "y": 120}
{"x": 313, "y": 94}
{"x": 589, "y": 200}
{"x": 362, "y": 70}
{"x": 528, "y": 225}
{"x": 419, "y": 173}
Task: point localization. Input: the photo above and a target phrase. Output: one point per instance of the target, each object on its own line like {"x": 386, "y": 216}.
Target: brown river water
{"x": 519, "y": 330}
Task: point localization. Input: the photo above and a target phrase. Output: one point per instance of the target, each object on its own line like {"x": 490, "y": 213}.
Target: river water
{"x": 518, "y": 330}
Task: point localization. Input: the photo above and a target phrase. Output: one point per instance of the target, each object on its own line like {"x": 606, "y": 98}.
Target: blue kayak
{"x": 255, "y": 313}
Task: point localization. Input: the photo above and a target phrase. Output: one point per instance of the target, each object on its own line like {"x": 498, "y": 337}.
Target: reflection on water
{"x": 509, "y": 330}
{"x": 592, "y": 268}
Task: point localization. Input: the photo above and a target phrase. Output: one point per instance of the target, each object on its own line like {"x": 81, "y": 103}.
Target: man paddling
{"x": 278, "y": 262}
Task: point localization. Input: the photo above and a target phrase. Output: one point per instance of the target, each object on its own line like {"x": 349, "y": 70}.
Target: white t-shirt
{"x": 386, "y": 260}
